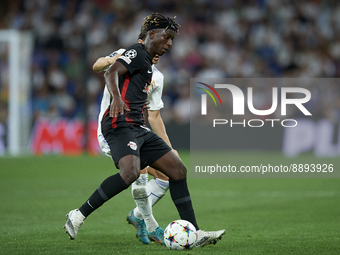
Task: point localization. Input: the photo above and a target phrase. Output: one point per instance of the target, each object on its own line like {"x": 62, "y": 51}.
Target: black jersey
{"x": 133, "y": 87}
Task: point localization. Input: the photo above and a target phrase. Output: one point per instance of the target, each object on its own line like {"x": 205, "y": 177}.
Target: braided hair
{"x": 142, "y": 33}
{"x": 156, "y": 20}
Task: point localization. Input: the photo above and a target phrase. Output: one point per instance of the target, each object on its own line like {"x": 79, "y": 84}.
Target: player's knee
{"x": 129, "y": 176}
{"x": 181, "y": 172}
{"x": 133, "y": 176}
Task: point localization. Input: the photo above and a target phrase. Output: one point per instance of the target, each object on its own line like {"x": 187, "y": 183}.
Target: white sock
{"x": 143, "y": 209}
{"x": 157, "y": 189}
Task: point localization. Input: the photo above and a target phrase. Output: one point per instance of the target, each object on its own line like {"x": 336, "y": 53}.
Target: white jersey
{"x": 155, "y": 90}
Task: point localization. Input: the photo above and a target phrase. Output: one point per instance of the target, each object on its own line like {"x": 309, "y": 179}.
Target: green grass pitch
{"x": 261, "y": 216}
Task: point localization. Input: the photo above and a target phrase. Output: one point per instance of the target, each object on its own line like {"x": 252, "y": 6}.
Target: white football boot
{"x": 74, "y": 221}
{"x": 208, "y": 237}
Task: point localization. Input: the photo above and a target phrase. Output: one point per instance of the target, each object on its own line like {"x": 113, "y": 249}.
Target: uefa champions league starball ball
{"x": 180, "y": 235}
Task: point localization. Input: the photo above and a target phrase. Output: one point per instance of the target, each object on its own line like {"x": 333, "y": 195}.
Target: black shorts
{"x": 138, "y": 141}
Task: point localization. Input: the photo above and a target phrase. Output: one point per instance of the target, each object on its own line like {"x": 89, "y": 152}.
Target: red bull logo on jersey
{"x": 132, "y": 145}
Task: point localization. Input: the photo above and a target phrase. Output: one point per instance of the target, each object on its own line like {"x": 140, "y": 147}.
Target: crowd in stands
{"x": 223, "y": 38}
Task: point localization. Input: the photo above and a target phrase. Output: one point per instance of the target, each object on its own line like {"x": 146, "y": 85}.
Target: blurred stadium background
{"x": 49, "y": 101}
{"x": 57, "y": 101}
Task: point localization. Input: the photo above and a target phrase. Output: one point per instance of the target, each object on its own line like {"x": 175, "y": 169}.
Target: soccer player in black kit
{"x": 133, "y": 146}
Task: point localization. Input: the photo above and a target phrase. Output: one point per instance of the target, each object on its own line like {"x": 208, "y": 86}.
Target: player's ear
{"x": 152, "y": 34}
{"x": 140, "y": 41}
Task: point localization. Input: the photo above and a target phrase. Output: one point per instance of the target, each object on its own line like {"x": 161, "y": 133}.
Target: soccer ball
{"x": 180, "y": 235}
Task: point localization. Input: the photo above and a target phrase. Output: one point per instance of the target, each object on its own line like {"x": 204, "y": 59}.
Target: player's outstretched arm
{"x": 111, "y": 78}
{"x": 103, "y": 63}
{"x": 157, "y": 125}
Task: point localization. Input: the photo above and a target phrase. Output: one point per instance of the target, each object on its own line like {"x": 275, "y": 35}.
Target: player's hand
{"x": 115, "y": 58}
{"x": 117, "y": 106}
